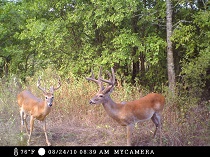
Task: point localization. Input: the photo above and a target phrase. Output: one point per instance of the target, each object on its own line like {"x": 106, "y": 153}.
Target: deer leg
{"x": 21, "y": 120}
{"x": 129, "y": 134}
{"x": 31, "y": 128}
{"x": 157, "y": 120}
{"x": 24, "y": 121}
{"x": 45, "y": 132}
{"x": 21, "y": 124}
{"x": 23, "y": 117}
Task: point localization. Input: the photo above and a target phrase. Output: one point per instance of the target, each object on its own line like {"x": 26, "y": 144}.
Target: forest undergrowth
{"x": 74, "y": 122}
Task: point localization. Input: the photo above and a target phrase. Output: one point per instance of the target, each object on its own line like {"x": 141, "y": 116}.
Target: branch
{"x": 181, "y": 21}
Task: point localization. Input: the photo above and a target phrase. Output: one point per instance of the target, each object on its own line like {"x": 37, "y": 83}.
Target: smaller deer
{"x": 36, "y": 108}
{"x": 128, "y": 113}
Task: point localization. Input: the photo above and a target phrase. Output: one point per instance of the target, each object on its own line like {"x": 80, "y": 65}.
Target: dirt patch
{"x": 81, "y": 134}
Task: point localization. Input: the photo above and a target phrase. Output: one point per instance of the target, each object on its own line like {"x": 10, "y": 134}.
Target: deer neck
{"x": 44, "y": 110}
{"x": 112, "y": 108}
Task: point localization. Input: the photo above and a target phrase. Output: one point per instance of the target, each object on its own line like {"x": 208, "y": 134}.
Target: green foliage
{"x": 194, "y": 73}
{"x": 9, "y": 22}
{"x": 187, "y": 40}
{"x": 127, "y": 35}
{"x": 192, "y": 39}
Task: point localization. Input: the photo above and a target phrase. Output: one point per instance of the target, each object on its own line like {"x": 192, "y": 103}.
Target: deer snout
{"x": 50, "y": 104}
{"x": 92, "y": 102}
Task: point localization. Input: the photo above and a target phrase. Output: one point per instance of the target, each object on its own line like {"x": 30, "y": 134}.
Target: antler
{"x": 59, "y": 84}
{"x": 98, "y": 82}
{"x": 110, "y": 82}
{"x": 52, "y": 89}
{"x": 39, "y": 85}
{"x": 92, "y": 78}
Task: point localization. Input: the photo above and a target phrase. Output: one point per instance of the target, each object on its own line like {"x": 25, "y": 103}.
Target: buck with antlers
{"x": 128, "y": 113}
{"x": 36, "y": 108}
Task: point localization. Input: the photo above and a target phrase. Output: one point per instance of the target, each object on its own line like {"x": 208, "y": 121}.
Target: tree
{"x": 191, "y": 39}
{"x": 10, "y": 51}
{"x": 130, "y": 36}
{"x": 170, "y": 58}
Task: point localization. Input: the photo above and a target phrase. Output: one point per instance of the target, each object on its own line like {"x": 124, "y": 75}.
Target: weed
{"x": 73, "y": 121}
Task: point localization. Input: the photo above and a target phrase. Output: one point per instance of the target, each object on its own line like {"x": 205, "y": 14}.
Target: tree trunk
{"x": 135, "y": 67}
{"x": 170, "y": 58}
{"x": 6, "y": 65}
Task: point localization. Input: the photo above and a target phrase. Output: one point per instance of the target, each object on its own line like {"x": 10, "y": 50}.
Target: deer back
{"x": 26, "y": 98}
{"x": 32, "y": 105}
{"x": 144, "y": 107}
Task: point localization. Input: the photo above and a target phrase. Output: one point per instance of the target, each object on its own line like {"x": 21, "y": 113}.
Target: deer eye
{"x": 101, "y": 96}
{"x": 45, "y": 97}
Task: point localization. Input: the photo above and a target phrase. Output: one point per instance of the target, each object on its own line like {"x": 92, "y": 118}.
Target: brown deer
{"x": 36, "y": 108}
{"x": 128, "y": 113}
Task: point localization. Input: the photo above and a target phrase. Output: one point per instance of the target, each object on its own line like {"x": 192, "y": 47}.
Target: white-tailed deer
{"x": 36, "y": 108}
{"x": 128, "y": 113}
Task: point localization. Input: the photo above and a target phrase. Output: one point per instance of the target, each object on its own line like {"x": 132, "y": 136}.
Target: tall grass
{"x": 73, "y": 121}
{"x": 9, "y": 113}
